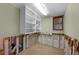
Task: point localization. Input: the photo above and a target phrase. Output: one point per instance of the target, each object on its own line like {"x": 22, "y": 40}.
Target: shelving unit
{"x": 30, "y": 21}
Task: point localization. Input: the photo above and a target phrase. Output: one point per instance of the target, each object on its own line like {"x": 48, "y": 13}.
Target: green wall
{"x": 47, "y": 25}
{"x": 71, "y": 21}
{"x": 9, "y": 20}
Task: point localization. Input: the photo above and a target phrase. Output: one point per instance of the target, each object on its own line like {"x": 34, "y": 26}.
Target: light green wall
{"x": 9, "y": 20}
{"x": 47, "y": 25}
{"x": 71, "y": 21}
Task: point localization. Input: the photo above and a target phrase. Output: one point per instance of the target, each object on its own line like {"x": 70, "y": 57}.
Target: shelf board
{"x": 30, "y": 22}
{"x": 34, "y": 17}
{"x": 30, "y": 10}
{"x": 28, "y": 28}
{"x": 30, "y": 15}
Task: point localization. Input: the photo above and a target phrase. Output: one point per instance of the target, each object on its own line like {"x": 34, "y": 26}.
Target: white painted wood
{"x": 27, "y": 44}
{"x": 66, "y": 45}
{"x": 29, "y": 20}
{"x": 31, "y": 39}
{"x": 24, "y": 42}
{"x": 62, "y": 42}
{"x": 56, "y": 41}
{"x": 42, "y": 39}
{"x": 17, "y": 45}
{"x": 45, "y": 39}
{"x": 51, "y": 41}
{"x": 39, "y": 38}
{"x": 67, "y": 50}
{"x": 32, "y": 26}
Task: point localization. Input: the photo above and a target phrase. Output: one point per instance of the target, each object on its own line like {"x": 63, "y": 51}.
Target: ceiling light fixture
{"x": 41, "y": 7}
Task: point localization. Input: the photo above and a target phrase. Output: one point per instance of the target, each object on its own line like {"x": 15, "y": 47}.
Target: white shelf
{"x": 28, "y": 11}
{"x": 30, "y": 17}
{"x": 31, "y": 10}
{"x": 28, "y": 28}
{"x": 31, "y": 21}
{"x": 29, "y": 24}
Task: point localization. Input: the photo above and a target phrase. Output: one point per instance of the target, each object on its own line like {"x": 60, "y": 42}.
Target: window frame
{"x": 54, "y": 23}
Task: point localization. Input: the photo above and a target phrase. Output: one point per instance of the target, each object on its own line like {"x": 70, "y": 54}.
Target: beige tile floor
{"x": 41, "y": 49}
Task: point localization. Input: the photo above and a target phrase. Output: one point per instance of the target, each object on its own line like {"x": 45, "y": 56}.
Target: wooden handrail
{"x": 72, "y": 43}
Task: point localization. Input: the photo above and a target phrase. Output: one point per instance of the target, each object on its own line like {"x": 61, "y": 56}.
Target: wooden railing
{"x": 12, "y": 45}
{"x": 71, "y": 46}
{"x": 62, "y": 41}
{"x": 16, "y": 44}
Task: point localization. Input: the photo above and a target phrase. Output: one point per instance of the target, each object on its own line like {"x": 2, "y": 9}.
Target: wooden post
{"x": 78, "y": 48}
{"x": 24, "y": 42}
{"x": 17, "y": 44}
{"x": 27, "y": 41}
{"x": 66, "y": 49}
{"x": 6, "y": 46}
{"x": 75, "y": 44}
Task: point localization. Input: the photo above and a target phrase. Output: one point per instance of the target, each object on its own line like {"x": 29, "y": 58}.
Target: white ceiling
{"x": 54, "y": 9}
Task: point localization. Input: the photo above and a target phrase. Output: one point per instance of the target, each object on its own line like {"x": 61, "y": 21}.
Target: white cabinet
{"x": 62, "y": 45}
{"x": 29, "y": 20}
{"x": 56, "y": 41}
{"x": 67, "y": 49}
{"x": 50, "y": 41}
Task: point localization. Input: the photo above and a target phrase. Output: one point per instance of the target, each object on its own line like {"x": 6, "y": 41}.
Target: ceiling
{"x": 54, "y": 9}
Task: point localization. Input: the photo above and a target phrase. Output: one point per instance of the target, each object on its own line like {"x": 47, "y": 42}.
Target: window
{"x": 58, "y": 23}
